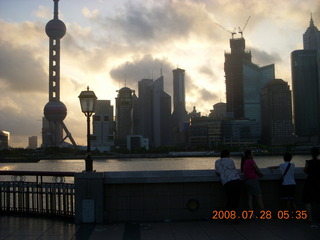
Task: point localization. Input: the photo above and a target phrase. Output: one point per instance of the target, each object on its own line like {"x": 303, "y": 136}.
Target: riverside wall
{"x": 107, "y": 197}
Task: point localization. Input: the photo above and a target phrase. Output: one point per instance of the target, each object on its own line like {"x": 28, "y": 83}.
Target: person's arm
{"x": 257, "y": 170}
{"x": 217, "y": 168}
{"x": 274, "y": 167}
{"x": 305, "y": 169}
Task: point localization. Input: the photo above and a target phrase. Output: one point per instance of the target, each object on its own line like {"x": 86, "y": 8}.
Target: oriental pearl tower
{"x": 54, "y": 111}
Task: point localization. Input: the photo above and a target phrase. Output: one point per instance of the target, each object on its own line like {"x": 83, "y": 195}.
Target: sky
{"x": 110, "y": 44}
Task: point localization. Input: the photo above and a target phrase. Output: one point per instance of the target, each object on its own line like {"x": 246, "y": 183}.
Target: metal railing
{"x": 31, "y": 192}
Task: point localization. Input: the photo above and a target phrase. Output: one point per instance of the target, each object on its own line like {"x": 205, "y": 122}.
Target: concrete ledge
{"x": 161, "y": 195}
{"x": 171, "y": 176}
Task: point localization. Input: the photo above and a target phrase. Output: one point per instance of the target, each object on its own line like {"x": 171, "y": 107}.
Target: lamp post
{"x": 87, "y": 102}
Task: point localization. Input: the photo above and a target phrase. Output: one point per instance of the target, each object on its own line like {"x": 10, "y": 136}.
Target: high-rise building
{"x": 311, "y": 38}
{"x": 4, "y": 139}
{"x": 123, "y": 116}
{"x": 305, "y": 90}
{"x": 179, "y": 115}
{"x": 33, "y": 142}
{"x": 233, "y": 68}
{"x": 276, "y": 113}
{"x": 102, "y": 137}
{"x": 244, "y": 81}
{"x": 154, "y": 112}
{"x": 305, "y": 70}
{"x": 254, "y": 79}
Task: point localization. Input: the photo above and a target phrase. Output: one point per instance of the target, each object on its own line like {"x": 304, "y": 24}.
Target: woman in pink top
{"x": 251, "y": 175}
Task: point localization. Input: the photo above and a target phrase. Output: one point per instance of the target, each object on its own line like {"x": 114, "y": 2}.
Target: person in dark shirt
{"x": 311, "y": 191}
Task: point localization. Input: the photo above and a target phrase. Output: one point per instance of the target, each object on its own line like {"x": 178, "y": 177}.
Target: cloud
{"x": 145, "y": 67}
{"x": 263, "y": 58}
{"x": 20, "y": 70}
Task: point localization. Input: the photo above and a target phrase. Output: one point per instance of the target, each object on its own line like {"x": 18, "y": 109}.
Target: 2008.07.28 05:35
{"x": 263, "y": 214}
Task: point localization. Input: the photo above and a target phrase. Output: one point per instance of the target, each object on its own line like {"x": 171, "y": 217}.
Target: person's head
{"x": 225, "y": 153}
{"x": 287, "y": 156}
{"x": 247, "y": 154}
{"x": 314, "y": 152}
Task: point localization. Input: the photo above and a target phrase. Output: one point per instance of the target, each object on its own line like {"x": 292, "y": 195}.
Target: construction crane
{"x": 241, "y": 31}
{"x": 232, "y": 33}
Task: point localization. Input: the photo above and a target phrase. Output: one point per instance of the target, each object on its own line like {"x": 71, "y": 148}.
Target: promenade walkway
{"x": 17, "y": 227}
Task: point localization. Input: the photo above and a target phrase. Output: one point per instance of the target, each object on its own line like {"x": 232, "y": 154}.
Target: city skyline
{"x": 126, "y": 41}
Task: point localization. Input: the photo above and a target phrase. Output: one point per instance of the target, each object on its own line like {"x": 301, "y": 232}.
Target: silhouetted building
{"x": 154, "y": 112}
{"x": 311, "y": 38}
{"x": 241, "y": 132}
{"x": 218, "y": 111}
{"x": 33, "y": 142}
{"x": 137, "y": 142}
{"x": 254, "y": 79}
{"x": 102, "y": 137}
{"x": 4, "y": 139}
{"x": 305, "y": 89}
{"x": 194, "y": 113}
{"x": 244, "y": 81}
{"x": 233, "y": 68}
{"x": 276, "y": 113}
{"x": 54, "y": 111}
{"x": 179, "y": 115}
{"x": 123, "y": 116}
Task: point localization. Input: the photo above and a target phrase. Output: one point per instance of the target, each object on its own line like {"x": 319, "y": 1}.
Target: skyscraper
{"x": 179, "y": 115}
{"x": 254, "y": 79}
{"x": 123, "y": 116}
{"x": 305, "y": 89}
{"x": 154, "y": 112}
{"x": 311, "y": 38}
{"x": 276, "y": 113}
{"x": 233, "y": 68}
{"x": 305, "y": 69}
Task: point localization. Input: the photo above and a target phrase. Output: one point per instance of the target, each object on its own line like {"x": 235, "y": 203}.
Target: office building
{"x": 240, "y": 132}
{"x": 276, "y": 113}
{"x": 154, "y": 112}
{"x": 244, "y": 81}
{"x": 218, "y": 111}
{"x": 179, "y": 115}
{"x": 4, "y": 139}
{"x": 311, "y": 38}
{"x": 305, "y": 89}
{"x": 102, "y": 137}
{"x": 137, "y": 142}
{"x": 123, "y": 116}
{"x": 33, "y": 142}
{"x": 233, "y": 68}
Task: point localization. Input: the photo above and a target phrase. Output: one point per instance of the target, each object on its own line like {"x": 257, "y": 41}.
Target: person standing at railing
{"x": 251, "y": 175}
{"x": 230, "y": 179}
{"x": 288, "y": 183}
{"x": 311, "y": 190}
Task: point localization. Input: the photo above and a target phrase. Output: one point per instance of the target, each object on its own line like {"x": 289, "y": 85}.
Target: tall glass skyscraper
{"x": 305, "y": 89}
{"x": 305, "y": 68}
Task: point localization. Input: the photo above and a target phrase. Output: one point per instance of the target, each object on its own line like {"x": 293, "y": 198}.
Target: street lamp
{"x": 87, "y": 102}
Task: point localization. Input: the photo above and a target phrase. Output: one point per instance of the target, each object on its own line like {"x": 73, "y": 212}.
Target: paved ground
{"x": 12, "y": 227}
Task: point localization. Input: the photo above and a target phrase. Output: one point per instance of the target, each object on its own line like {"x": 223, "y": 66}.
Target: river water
{"x": 143, "y": 164}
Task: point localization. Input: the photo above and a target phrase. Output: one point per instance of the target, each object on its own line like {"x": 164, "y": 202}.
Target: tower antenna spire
{"x": 55, "y": 12}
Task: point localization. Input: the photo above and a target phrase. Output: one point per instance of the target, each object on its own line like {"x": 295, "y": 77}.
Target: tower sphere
{"x": 55, "y": 28}
{"x": 55, "y": 111}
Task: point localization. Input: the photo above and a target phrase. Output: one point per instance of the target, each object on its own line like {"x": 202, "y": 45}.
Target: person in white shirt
{"x": 230, "y": 179}
{"x": 288, "y": 181}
